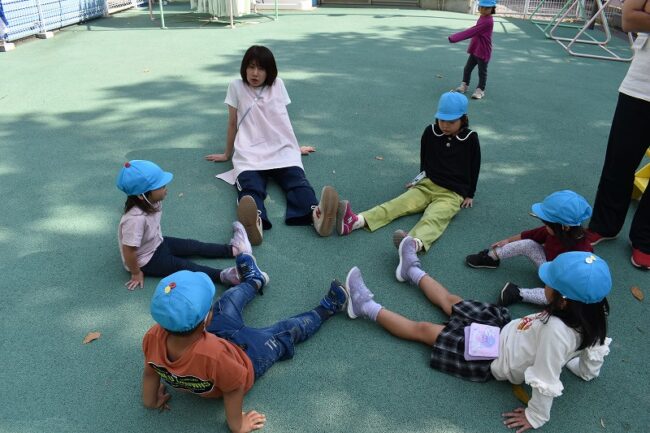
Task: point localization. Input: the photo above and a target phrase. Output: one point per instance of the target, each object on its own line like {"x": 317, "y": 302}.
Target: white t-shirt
{"x": 265, "y": 138}
{"x": 535, "y": 352}
{"x": 637, "y": 81}
{"x": 141, "y": 230}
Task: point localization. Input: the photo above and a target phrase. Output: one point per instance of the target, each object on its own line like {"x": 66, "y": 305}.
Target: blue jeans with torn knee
{"x": 264, "y": 346}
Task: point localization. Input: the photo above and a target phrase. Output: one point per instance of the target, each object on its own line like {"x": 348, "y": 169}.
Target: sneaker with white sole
{"x": 478, "y": 93}
{"x": 408, "y": 258}
{"x": 358, "y": 294}
{"x": 462, "y": 88}
{"x": 239, "y": 240}
{"x": 250, "y": 273}
{"x": 249, "y": 216}
{"x": 324, "y": 214}
{"x": 336, "y": 298}
{"x": 345, "y": 218}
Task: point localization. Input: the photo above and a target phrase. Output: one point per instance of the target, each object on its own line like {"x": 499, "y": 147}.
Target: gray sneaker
{"x": 398, "y": 237}
{"x": 407, "y": 259}
{"x": 358, "y": 294}
{"x": 462, "y": 88}
{"x": 478, "y": 94}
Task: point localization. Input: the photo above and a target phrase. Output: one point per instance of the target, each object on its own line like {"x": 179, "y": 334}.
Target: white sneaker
{"x": 324, "y": 215}
{"x": 462, "y": 88}
{"x": 478, "y": 94}
{"x": 249, "y": 216}
{"x": 239, "y": 241}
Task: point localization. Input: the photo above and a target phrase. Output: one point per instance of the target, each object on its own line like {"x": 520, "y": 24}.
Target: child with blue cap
{"x": 450, "y": 160}
{"x": 562, "y": 213}
{"x": 571, "y": 331}
{"x": 144, "y": 250}
{"x": 209, "y": 351}
{"x": 480, "y": 47}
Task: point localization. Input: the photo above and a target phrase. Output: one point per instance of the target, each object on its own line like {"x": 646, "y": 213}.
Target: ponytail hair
{"x": 569, "y": 236}
{"x": 589, "y": 320}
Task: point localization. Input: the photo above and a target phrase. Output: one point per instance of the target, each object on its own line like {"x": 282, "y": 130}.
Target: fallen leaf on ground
{"x": 180, "y": 194}
{"x": 602, "y": 423}
{"x": 380, "y": 158}
{"x": 520, "y": 393}
{"x": 92, "y": 336}
{"x": 439, "y": 76}
{"x": 637, "y": 293}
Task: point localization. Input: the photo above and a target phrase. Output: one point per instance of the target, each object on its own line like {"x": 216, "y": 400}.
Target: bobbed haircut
{"x": 263, "y": 57}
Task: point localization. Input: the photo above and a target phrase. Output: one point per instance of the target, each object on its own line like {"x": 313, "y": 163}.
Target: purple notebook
{"x": 481, "y": 342}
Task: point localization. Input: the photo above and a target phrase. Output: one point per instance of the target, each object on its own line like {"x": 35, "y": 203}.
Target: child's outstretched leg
{"x": 491, "y": 258}
{"x": 275, "y": 343}
{"x": 409, "y": 269}
{"x": 361, "y": 304}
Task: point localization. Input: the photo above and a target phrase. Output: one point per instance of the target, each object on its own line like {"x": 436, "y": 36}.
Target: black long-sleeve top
{"x": 451, "y": 162}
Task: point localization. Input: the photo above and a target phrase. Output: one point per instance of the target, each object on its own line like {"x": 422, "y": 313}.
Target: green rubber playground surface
{"x": 364, "y": 84}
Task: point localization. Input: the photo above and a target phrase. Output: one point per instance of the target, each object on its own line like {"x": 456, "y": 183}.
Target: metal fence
{"x": 33, "y": 17}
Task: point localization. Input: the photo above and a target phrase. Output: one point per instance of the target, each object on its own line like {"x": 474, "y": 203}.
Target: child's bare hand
{"x": 500, "y": 243}
{"x": 516, "y": 419}
{"x": 135, "y": 281}
{"x": 468, "y": 202}
{"x": 163, "y": 398}
{"x": 252, "y": 420}
{"x": 217, "y": 157}
{"x": 306, "y": 150}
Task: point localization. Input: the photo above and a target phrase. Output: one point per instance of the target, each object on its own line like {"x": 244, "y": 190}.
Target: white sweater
{"x": 534, "y": 352}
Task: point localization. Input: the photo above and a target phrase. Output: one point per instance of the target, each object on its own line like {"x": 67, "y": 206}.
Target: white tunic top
{"x": 637, "y": 81}
{"x": 534, "y": 352}
{"x": 265, "y": 138}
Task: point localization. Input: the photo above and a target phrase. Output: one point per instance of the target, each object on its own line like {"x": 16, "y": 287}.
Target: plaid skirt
{"x": 448, "y": 354}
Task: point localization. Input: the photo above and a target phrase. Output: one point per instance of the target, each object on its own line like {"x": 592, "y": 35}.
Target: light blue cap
{"x": 579, "y": 276}
{"x": 182, "y": 300}
{"x": 563, "y": 207}
{"x": 452, "y": 106}
{"x": 487, "y": 3}
{"x": 139, "y": 176}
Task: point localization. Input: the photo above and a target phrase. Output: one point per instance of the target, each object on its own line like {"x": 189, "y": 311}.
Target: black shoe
{"x": 509, "y": 295}
{"x": 482, "y": 260}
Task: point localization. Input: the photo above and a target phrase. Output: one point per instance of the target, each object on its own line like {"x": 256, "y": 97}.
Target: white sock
{"x": 419, "y": 246}
{"x": 534, "y": 296}
{"x": 493, "y": 254}
{"x": 359, "y": 223}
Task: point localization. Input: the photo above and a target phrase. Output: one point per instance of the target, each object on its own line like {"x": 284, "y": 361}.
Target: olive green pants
{"x": 439, "y": 205}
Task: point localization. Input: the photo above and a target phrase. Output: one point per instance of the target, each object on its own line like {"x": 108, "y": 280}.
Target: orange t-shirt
{"x": 210, "y": 367}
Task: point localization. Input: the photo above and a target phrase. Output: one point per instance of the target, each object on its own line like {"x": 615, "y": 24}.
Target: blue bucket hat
{"x": 182, "y": 300}
{"x": 487, "y": 3}
{"x": 579, "y": 276}
{"x": 139, "y": 176}
{"x": 452, "y": 106}
{"x": 563, "y": 207}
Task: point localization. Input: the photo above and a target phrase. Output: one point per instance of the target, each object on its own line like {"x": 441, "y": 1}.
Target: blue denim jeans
{"x": 264, "y": 346}
{"x": 170, "y": 257}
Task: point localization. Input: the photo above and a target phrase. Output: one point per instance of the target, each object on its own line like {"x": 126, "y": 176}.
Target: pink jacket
{"x": 481, "y": 34}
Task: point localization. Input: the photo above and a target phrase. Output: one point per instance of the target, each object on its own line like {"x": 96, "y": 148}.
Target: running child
{"x": 562, "y": 213}
{"x": 209, "y": 351}
{"x": 450, "y": 160}
{"x": 480, "y": 47}
{"x": 263, "y": 146}
{"x": 571, "y": 331}
{"x": 143, "y": 248}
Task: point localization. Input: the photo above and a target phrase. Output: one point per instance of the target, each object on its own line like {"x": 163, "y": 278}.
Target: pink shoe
{"x": 639, "y": 259}
{"x": 345, "y": 218}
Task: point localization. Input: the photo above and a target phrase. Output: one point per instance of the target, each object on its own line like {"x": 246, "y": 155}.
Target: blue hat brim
{"x": 448, "y": 117}
{"x": 538, "y": 212}
{"x": 164, "y": 180}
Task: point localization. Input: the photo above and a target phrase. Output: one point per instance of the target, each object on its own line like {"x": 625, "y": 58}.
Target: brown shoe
{"x": 324, "y": 215}
{"x": 249, "y": 216}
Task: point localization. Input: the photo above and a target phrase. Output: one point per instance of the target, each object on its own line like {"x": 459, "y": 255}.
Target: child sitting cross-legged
{"x": 571, "y": 331}
{"x": 209, "y": 351}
